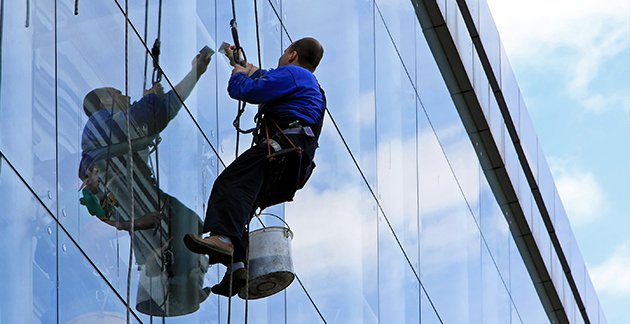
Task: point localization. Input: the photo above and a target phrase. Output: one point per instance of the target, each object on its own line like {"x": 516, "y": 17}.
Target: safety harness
{"x": 287, "y": 171}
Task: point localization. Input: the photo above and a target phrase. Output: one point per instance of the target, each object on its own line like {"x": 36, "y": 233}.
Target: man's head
{"x": 104, "y": 98}
{"x": 306, "y": 52}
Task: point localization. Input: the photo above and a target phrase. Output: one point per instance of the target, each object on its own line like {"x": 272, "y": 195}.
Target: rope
{"x": 237, "y": 124}
{"x": 230, "y": 289}
{"x": 130, "y": 166}
{"x": 144, "y": 40}
{"x": 156, "y": 78}
{"x": 76, "y": 7}
{"x": 236, "y": 58}
{"x": 155, "y": 51}
{"x": 237, "y": 121}
{"x": 257, "y": 34}
{"x": 233, "y": 10}
{"x": 28, "y": 13}
{"x": 247, "y": 277}
{"x": 159, "y": 20}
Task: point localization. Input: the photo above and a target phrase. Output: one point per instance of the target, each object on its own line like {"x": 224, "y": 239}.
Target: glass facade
{"x": 399, "y": 223}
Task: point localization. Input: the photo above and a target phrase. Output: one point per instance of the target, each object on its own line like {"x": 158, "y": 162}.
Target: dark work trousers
{"x": 234, "y": 195}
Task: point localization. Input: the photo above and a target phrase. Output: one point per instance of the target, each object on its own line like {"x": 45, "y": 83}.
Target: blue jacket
{"x": 288, "y": 93}
{"x": 105, "y": 133}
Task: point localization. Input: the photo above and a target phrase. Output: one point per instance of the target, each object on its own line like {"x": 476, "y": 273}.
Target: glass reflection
{"x": 121, "y": 188}
{"x": 28, "y": 236}
{"x": 84, "y": 295}
{"x": 27, "y": 97}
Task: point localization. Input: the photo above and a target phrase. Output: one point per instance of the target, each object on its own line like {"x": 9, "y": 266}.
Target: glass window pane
{"x": 84, "y": 294}
{"x": 28, "y": 236}
{"x": 27, "y": 96}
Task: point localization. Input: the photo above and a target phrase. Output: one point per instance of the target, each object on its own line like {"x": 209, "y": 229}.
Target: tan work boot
{"x": 217, "y": 250}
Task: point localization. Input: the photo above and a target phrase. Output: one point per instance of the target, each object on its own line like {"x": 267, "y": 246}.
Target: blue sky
{"x": 572, "y": 62}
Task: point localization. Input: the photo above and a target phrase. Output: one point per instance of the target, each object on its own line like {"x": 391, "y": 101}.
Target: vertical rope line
{"x": 257, "y": 34}
{"x": 258, "y": 49}
{"x": 160, "y": 206}
{"x": 229, "y": 268}
{"x": 247, "y": 277}
{"x": 237, "y": 122}
{"x": 216, "y": 89}
{"x": 281, "y": 24}
{"x": 144, "y": 39}
{"x": 233, "y": 10}
{"x": 130, "y": 166}
{"x": 240, "y": 105}
{"x": 28, "y": 13}
{"x": 159, "y": 35}
{"x": 56, "y": 141}
{"x": 376, "y": 123}
{"x": 417, "y": 151}
{"x": 157, "y": 157}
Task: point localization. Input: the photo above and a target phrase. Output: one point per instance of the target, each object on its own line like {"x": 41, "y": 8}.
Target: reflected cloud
{"x": 339, "y": 230}
{"x": 330, "y": 222}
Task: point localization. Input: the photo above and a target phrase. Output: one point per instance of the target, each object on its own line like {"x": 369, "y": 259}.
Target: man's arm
{"x": 157, "y": 109}
{"x": 185, "y": 86}
{"x": 261, "y": 87}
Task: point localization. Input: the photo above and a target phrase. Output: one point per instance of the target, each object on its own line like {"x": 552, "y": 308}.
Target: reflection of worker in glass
{"x": 291, "y": 113}
{"x": 171, "y": 276}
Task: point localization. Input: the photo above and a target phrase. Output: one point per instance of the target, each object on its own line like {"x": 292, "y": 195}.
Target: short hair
{"x": 92, "y": 101}
{"x": 310, "y": 52}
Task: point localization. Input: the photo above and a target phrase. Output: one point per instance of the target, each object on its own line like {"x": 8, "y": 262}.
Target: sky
{"x": 572, "y": 61}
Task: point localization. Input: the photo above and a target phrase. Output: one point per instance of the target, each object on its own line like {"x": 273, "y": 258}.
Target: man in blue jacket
{"x": 291, "y": 112}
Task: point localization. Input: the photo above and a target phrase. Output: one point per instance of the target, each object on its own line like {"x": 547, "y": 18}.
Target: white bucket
{"x": 270, "y": 263}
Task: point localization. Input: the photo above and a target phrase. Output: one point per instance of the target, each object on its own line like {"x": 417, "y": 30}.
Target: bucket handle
{"x": 270, "y": 214}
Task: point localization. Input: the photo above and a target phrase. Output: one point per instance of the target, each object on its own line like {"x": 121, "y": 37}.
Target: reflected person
{"x": 171, "y": 277}
{"x": 291, "y": 111}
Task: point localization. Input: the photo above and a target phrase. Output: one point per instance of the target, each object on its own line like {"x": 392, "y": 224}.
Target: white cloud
{"x": 342, "y": 218}
{"x": 612, "y": 276}
{"x": 580, "y": 191}
{"x": 575, "y": 36}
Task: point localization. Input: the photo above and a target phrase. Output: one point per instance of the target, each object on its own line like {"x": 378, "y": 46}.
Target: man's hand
{"x": 91, "y": 181}
{"x": 156, "y": 89}
{"x": 148, "y": 221}
{"x": 200, "y": 64}
{"x": 228, "y": 50}
{"x": 249, "y": 69}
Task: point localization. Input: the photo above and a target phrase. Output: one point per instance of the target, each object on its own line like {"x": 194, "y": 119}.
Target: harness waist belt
{"x": 299, "y": 130}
